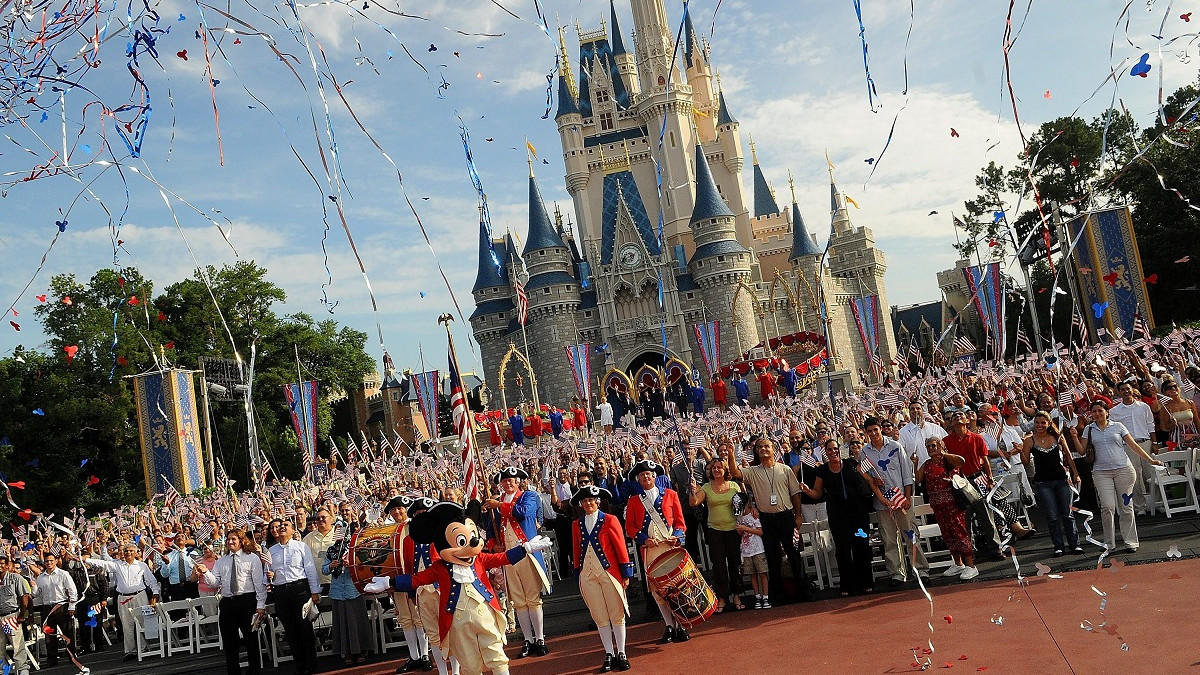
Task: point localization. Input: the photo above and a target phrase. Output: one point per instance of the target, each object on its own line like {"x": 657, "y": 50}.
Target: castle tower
{"x": 625, "y": 62}
{"x": 857, "y": 268}
{"x": 494, "y": 308}
{"x": 805, "y": 259}
{"x": 720, "y": 265}
{"x": 700, "y": 77}
{"x": 553, "y": 301}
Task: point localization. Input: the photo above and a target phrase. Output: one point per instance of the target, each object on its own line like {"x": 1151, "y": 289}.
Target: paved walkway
{"x": 1149, "y": 596}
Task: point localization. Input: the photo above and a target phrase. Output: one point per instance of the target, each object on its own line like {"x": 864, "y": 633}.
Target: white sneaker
{"x": 969, "y": 573}
{"x": 953, "y": 571}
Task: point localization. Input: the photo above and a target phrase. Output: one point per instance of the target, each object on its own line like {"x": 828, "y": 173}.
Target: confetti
{"x": 953, "y": 132}
{"x": 1174, "y": 552}
{"x": 1142, "y": 67}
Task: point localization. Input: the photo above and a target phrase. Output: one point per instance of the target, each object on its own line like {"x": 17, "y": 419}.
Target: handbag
{"x": 964, "y": 491}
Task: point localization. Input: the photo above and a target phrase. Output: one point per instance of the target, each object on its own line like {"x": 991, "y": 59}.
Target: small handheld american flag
{"x": 895, "y": 498}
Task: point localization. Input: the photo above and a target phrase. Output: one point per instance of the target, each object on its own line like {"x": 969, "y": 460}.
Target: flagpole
{"x": 476, "y": 458}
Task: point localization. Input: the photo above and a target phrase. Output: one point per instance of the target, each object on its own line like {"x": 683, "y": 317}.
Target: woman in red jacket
{"x": 654, "y": 519}
{"x": 602, "y": 562}
{"x": 719, "y": 391}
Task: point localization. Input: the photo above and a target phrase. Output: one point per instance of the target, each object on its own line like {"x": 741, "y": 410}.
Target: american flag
{"x": 204, "y": 532}
{"x": 1077, "y": 328}
{"x": 351, "y": 449}
{"x": 698, "y": 440}
{"x": 1066, "y": 398}
{"x": 1023, "y": 340}
{"x": 366, "y": 445}
{"x": 876, "y": 363}
{"x": 9, "y": 625}
{"x": 260, "y": 479}
{"x": 895, "y": 498}
{"x": 522, "y": 300}
{"x": 807, "y": 459}
{"x": 963, "y": 344}
{"x": 385, "y": 447}
{"x": 170, "y": 496}
{"x": 915, "y": 352}
{"x": 418, "y": 437}
{"x": 1140, "y": 327}
{"x": 865, "y": 466}
{"x": 949, "y": 394}
{"x": 461, "y": 417}
{"x": 222, "y": 479}
{"x": 677, "y": 458}
{"x": 587, "y": 447}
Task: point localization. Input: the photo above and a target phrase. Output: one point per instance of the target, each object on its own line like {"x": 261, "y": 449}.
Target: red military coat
{"x": 449, "y": 590}
{"x": 611, "y": 543}
{"x": 637, "y": 523}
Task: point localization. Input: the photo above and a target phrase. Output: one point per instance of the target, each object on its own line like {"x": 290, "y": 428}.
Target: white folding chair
{"x": 926, "y": 534}
{"x": 277, "y": 645}
{"x": 824, "y": 548}
{"x": 323, "y": 627}
{"x": 177, "y": 626}
{"x": 390, "y": 635}
{"x": 151, "y": 640}
{"x": 810, "y": 535}
{"x": 1176, "y": 470}
{"x": 206, "y": 632}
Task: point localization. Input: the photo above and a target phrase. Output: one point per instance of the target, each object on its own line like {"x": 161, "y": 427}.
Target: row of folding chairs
{"x": 177, "y": 627}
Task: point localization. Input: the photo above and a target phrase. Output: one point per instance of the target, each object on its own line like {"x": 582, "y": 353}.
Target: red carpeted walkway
{"x": 1147, "y": 607}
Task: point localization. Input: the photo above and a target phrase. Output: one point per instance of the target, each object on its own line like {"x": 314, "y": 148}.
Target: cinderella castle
{"x": 633, "y": 286}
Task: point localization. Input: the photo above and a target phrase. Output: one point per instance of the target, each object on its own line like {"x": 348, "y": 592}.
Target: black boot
{"x": 681, "y": 635}
{"x": 540, "y": 647}
{"x": 621, "y": 662}
{"x": 668, "y": 636}
{"x": 607, "y": 666}
{"x": 526, "y": 650}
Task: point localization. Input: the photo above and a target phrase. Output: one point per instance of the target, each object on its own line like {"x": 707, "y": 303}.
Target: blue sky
{"x": 792, "y": 73}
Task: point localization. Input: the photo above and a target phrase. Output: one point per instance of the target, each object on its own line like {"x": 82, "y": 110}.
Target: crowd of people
{"x": 1081, "y": 434}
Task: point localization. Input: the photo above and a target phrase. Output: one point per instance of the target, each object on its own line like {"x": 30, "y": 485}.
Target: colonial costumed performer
{"x": 470, "y": 619}
{"x": 654, "y": 519}
{"x": 407, "y": 615}
{"x": 514, "y": 521}
{"x": 602, "y": 562}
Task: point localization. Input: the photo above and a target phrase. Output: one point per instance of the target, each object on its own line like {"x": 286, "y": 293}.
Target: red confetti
{"x": 1047, "y": 95}
{"x": 948, "y": 618}
{"x": 1186, "y": 17}
{"x": 48, "y": 630}
{"x": 237, "y": 41}
{"x": 1184, "y": 259}
{"x": 981, "y": 669}
{"x": 92, "y": 480}
{"x": 162, "y": 317}
{"x": 120, "y": 281}
{"x": 133, "y": 300}
{"x": 15, "y": 325}
{"x": 953, "y": 132}
{"x": 1085, "y": 270}
{"x": 121, "y": 361}
{"x": 1111, "y": 278}
{"x": 1171, "y": 445}
{"x": 67, "y": 300}
{"x": 25, "y": 514}
{"x": 15, "y": 312}
{"x": 949, "y": 665}
{"x": 129, "y": 128}
{"x": 963, "y": 657}
{"x": 1074, "y": 162}
{"x": 19, "y": 484}
{"x": 71, "y": 351}
{"x": 992, "y": 243}
{"x": 1152, "y": 279}
{"x": 170, "y": 345}
{"x": 41, "y": 298}
{"x": 182, "y": 53}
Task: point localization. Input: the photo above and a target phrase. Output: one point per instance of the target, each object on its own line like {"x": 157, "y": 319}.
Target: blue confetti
{"x": 45, "y": 117}
{"x": 62, "y": 225}
{"x": 87, "y": 149}
{"x": 83, "y": 463}
{"x": 860, "y": 533}
{"x": 1142, "y": 67}
{"x": 422, "y": 294}
{"x": 1127, "y": 498}
{"x": 39, "y": 412}
{"x": 997, "y": 216}
{"x": 1099, "y": 308}
{"x": 182, "y": 17}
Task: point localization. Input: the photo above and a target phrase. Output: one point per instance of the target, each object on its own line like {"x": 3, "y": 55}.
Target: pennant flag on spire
{"x": 581, "y": 368}
{"x": 708, "y": 336}
{"x": 426, "y": 385}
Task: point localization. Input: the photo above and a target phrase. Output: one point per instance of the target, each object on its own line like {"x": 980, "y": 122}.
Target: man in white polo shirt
{"x": 1139, "y": 420}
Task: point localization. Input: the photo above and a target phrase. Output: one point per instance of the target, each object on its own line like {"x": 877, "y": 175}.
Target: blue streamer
{"x": 862, "y": 33}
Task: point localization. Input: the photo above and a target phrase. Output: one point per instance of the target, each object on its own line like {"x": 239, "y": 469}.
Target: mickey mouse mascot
{"x": 470, "y": 620}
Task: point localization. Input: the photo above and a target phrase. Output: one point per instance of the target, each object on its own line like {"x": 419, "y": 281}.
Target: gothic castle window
{"x": 606, "y": 121}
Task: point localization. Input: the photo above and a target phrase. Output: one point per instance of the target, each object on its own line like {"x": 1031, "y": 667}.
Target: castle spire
{"x": 689, "y": 40}
{"x": 837, "y": 203}
{"x": 709, "y": 203}
{"x": 541, "y": 231}
{"x": 764, "y": 201}
{"x": 618, "y": 42}
{"x": 802, "y": 241}
{"x": 492, "y": 272}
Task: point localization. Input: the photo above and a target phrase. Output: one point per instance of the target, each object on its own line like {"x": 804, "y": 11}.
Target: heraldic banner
{"x": 168, "y": 423}
{"x": 1112, "y": 285}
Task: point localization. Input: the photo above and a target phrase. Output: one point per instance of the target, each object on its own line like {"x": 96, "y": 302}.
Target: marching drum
{"x": 373, "y": 552}
{"x": 675, "y": 579}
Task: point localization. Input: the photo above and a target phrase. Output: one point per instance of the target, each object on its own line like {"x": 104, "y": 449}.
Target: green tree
{"x": 86, "y": 425}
